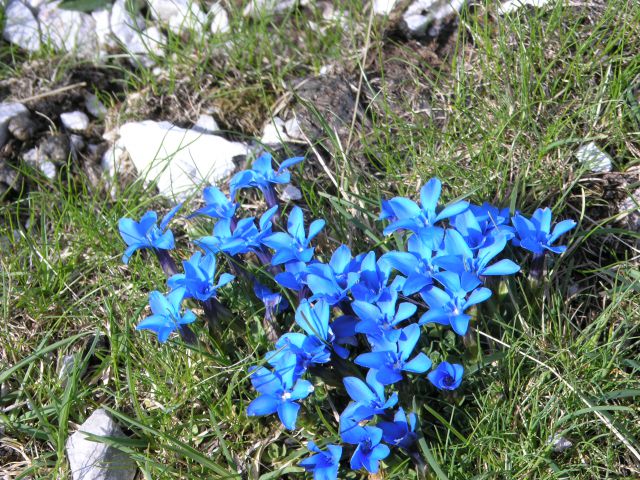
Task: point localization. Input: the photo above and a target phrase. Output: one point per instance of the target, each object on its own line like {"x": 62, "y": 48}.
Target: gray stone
{"x": 179, "y": 15}
{"x": 94, "y": 106}
{"x": 22, "y": 127}
{"x": 90, "y": 460}
{"x": 56, "y": 148}
{"x": 278, "y": 132}
{"x": 256, "y": 8}
{"x": 37, "y": 159}
{"x": 593, "y": 158}
{"x": 559, "y": 444}
{"x": 9, "y": 111}
{"x": 383, "y": 7}
{"x": 21, "y": 26}
{"x": 68, "y": 30}
{"x": 513, "y": 5}
{"x": 219, "y": 18}
{"x": 290, "y": 194}
{"x": 422, "y": 14}
{"x": 75, "y": 121}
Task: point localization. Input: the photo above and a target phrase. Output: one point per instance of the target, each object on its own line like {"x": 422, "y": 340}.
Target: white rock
{"x": 423, "y": 13}
{"x": 278, "y": 132}
{"x": 35, "y": 159}
{"x": 9, "y": 111}
{"x": 513, "y": 5}
{"x": 150, "y": 42}
{"x": 112, "y": 158}
{"x": 256, "y": 8}
{"x": 106, "y": 40}
{"x": 125, "y": 27}
{"x": 290, "y": 194}
{"x": 179, "y": 15}
{"x": 69, "y": 30}
{"x": 21, "y": 26}
{"x": 177, "y": 158}
{"x": 94, "y": 106}
{"x": 75, "y": 121}
{"x": 383, "y": 7}
{"x": 206, "y": 124}
{"x": 593, "y": 158}
{"x": 91, "y": 460}
{"x": 219, "y": 19}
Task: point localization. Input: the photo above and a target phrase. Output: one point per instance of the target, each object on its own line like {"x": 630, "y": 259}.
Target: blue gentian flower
{"x": 370, "y": 394}
{"x": 279, "y": 392}
{"x": 344, "y": 330}
{"x": 314, "y": 319}
{"x": 333, "y": 282}
{"x": 263, "y": 177}
{"x": 166, "y": 316}
{"x": 535, "y": 234}
{"x": 458, "y": 257}
{"x": 217, "y": 205}
{"x": 146, "y": 234}
{"x": 373, "y": 281}
{"x": 274, "y": 302}
{"x": 324, "y": 465}
{"x": 447, "y": 307}
{"x": 198, "y": 277}
{"x": 293, "y": 246}
{"x": 369, "y": 451}
{"x": 401, "y": 432}
{"x": 308, "y": 350}
{"x": 294, "y": 276}
{"x": 416, "y": 264}
{"x": 408, "y": 215}
{"x": 389, "y": 365}
{"x": 379, "y": 321}
{"x": 493, "y": 220}
{"x": 446, "y": 376}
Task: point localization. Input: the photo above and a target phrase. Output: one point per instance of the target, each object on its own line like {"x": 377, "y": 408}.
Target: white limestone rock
{"x": 91, "y": 460}
{"x": 36, "y": 159}
{"x": 68, "y": 30}
{"x": 290, "y": 194}
{"x": 106, "y": 40}
{"x": 278, "y": 132}
{"x": 422, "y": 14}
{"x": 94, "y": 106}
{"x": 256, "y": 8}
{"x": 9, "y": 111}
{"x": 21, "y": 27}
{"x": 75, "y": 121}
{"x": 383, "y": 7}
{"x": 593, "y": 158}
{"x": 513, "y": 5}
{"x": 206, "y": 124}
{"x": 178, "y": 159}
{"x": 179, "y": 15}
{"x": 219, "y": 19}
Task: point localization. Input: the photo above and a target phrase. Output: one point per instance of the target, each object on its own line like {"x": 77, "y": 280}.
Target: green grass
{"x": 514, "y": 99}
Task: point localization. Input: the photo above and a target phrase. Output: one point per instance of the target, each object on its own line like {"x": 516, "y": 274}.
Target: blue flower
{"x": 493, "y": 220}
{"x": 446, "y": 376}
{"x": 400, "y": 432}
{"x": 293, "y": 246}
{"x": 308, "y": 351}
{"x": 477, "y": 234}
{"x": 333, "y": 282}
{"x": 274, "y": 302}
{"x": 407, "y": 215}
{"x": 314, "y": 319}
{"x": 373, "y": 281}
{"x": 389, "y": 365}
{"x": 370, "y": 394}
{"x": 378, "y": 321}
{"x": 263, "y": 176}
{"x": 217, "y": 205}
{"x": 458, "y": 257}
{"x": 369, "y": 451}
{"x": 416, "y": 264}
{"x": 447, "y": 307}
{"x": 344, "y": 330}
{"x": 294, "y": 276}
{"x": 324, "y": 465}
{"x": 535, "y": 234}
{"x": 166, "y": 316}
{"x": 198, "y": 277}
{"x": 279, "y": 392}
{"x": 146, "y": 234}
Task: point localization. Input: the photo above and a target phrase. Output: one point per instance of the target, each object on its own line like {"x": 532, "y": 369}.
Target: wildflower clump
{"x": 359, "y": 318}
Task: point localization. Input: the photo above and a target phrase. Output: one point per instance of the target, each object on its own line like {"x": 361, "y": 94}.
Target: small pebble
{"x": 559, "y": 443}
{"x": 94, "y": 106}
{"x": 206, "y": 124}
{"x": 290, "y": 194}
{"x": 22, "y": 127}
{"x": 75, "y": 121}
{"x": 593, "y": 158}
{"x": 56, "y": 148}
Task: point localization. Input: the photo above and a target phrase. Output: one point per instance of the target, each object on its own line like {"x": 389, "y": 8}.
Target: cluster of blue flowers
{"x": 353, "y": 311}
